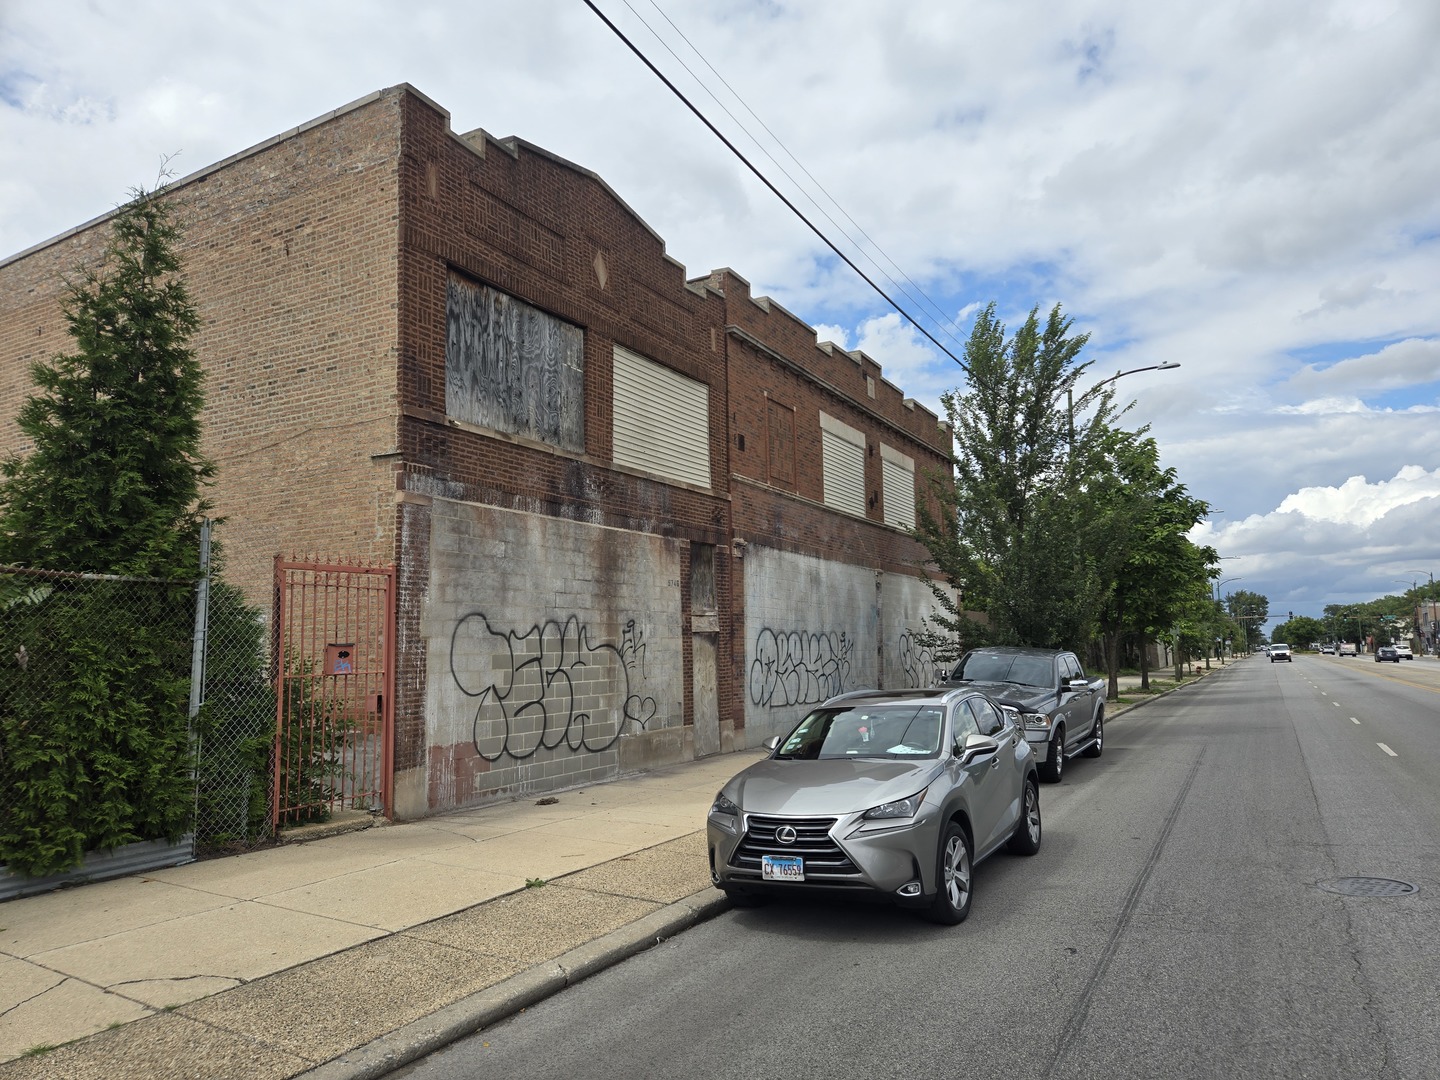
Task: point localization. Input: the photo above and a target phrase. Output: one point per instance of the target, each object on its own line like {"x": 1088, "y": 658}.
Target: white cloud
{"x": 1219, "y": 183}
{"x": 1357, "y": 502}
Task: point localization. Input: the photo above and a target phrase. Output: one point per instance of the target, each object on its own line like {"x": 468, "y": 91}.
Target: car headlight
{"x": 1035, "y": 721}
{"x": 725, "y": 813}
{"x": 900, "y": 808}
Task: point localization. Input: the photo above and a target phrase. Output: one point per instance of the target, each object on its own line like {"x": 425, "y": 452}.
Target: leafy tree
{"x": 94, "y": 730}
{"x": 1299, "y": 631}
{"x": 113, "y": 482}
{"x": 1138, "y": 536}
{"x": 1011, "y": 535}
{"x": 1250, "y": 610}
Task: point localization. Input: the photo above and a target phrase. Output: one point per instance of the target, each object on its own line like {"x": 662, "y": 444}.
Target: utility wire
{"x": 766, "y": 181}
{"x": 939, "y": 317}
{"x": 942, "y": 319}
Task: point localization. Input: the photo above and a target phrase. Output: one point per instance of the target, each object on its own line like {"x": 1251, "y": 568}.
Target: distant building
{"x": 634, "y": 518}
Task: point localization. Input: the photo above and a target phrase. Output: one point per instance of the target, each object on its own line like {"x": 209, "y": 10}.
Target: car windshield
{"x": 868, "y": 731}
{"x": 1006, "y": 667}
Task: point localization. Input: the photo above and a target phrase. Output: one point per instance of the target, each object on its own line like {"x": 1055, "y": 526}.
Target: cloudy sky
{"x": 1250, "y": 190}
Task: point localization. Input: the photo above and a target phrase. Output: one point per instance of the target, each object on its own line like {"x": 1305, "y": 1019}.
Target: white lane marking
{"x": 1387, "y": 749}
{"x": 1353, "y": 720}
{"x": 1336, "y": 704}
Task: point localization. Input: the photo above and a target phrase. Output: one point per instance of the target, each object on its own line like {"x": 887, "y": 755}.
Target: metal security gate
{"x": 334, "y": 650}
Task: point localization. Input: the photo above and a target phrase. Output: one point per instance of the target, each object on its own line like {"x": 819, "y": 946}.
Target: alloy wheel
{"x": 957, "y": 873}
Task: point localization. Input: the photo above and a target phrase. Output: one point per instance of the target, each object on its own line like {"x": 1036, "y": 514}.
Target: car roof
{"x": 882, "y": 697}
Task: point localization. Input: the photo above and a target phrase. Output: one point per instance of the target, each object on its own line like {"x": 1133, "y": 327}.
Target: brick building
{"x": 634, "y": 518}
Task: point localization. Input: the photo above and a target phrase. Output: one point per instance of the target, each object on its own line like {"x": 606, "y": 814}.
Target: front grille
{"x": 813, "y": 844}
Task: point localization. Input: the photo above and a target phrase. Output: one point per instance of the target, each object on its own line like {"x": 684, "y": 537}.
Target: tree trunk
{"x": 1144, "y": 662}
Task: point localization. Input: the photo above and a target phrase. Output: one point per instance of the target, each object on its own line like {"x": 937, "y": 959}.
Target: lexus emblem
{"x": 786, "y": 834}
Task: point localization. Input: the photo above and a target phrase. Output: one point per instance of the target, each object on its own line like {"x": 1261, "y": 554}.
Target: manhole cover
{"x": 1369, "y": 886}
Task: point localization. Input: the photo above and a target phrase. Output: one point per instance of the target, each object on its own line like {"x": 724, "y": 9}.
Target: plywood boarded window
{"x": 842, "y": 460}
{"x": 899, "y": 487}
{"x": 512, "y": 367}
{"x": 781, "y": 423}
{"x": 662, "y": 420}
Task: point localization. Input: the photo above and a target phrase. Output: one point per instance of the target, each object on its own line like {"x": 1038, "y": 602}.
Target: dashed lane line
{"x": 1387, "y": 749}
{"x": 1353, "y": 720}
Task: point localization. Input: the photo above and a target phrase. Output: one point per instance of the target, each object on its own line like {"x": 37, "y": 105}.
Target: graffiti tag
{"x": 798, "y": 668}
{"x": 539, "y": 688}
{"x": 916, "y": 662}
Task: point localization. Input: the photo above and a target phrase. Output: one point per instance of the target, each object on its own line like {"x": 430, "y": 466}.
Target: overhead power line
{"x": 766, "y": 181}
{"x": 943, "y": 320}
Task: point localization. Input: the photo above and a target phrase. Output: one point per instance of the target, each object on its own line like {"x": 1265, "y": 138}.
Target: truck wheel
{"x": 1097, "y": 748}
{"x": 1053, "y": 767}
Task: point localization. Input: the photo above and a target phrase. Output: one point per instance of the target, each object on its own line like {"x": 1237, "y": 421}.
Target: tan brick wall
{"x": 290, "y": 255}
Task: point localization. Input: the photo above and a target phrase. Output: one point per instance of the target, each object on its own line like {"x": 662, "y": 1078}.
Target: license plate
{"x": 782, "y": 868}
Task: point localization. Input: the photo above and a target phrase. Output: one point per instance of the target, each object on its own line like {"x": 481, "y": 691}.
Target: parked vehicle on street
{"x": 1387, "y": 653}
{"x": 1063, "y": 709}
{"x": 889, "y": 794}
{"x": 1404, "y": 652}
{"x": 1348, "y": 648}
{"x": 1279, "y": 651}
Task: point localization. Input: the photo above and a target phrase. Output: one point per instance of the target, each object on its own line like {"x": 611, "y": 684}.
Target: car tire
{"x": 954, "y": 877}
{"x": 1053, "y": 767}
{"x": 1097, "y": 748}
{"x": 1027, "y": 835}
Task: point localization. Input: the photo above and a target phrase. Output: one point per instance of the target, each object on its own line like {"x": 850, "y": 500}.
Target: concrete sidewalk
{"x": 348, "y": 956}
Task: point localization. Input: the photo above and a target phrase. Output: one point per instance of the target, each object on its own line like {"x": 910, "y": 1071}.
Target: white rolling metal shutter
{"x": 899, "y": 480}
{"x": 661, "y": 420}
{"x": 842, "y": 461}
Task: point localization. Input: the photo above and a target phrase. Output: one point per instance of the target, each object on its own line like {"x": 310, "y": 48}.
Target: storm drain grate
{"x": 1369, "y": 886}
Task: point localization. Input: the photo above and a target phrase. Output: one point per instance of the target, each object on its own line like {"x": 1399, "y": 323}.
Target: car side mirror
{"x": 977, "y": 746}
{"x": 772, "y": 743}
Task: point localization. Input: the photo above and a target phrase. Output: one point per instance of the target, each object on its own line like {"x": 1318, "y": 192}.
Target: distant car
{"x": 1279, "y": 651}
{"x": 896, "y": 794}
{"x": 1327, "y": 650}
{"x": 1403, "y": 651}
{"x": 1347, "y": 648}
{"x": 1387, "y": 652}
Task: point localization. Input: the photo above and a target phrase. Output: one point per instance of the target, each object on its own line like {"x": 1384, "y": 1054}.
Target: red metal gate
{"x": 334, "y": 649}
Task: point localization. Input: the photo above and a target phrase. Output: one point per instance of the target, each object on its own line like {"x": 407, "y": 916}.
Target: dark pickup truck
{"x": 1062, "y": 709}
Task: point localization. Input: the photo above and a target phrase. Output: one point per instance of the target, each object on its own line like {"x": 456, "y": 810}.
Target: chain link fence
{"x": 234, "y": 724}
{"x": 95, "y": 744}
{"x": 131, "y": 709}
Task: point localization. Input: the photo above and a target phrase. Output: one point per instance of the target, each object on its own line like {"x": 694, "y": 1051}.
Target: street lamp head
{"x": 1166, "y": 365}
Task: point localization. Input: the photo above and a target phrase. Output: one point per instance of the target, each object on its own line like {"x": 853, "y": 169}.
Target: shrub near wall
{"x": 94, "y": 726}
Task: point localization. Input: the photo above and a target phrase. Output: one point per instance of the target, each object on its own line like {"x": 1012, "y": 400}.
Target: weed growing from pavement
{"x": 534, "y": 882}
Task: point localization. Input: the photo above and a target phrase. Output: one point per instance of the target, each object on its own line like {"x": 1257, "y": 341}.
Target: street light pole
{"x": 1434, "y": 638}
{"x": 1221, "y": 651}
{"x": 1166, "y": 365}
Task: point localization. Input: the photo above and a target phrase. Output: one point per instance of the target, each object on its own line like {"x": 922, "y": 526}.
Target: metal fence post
{"x": 197, "y": 659}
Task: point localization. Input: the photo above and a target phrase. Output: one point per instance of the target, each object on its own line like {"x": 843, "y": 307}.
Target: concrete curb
{"x": 1148, "y": 698}
{"x": 489, "y": 1006}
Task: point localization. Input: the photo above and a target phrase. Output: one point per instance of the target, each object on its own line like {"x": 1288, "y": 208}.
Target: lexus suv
{"x": 889, "y": 794}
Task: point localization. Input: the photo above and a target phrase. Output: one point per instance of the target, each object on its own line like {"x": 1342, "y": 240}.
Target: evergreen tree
{"x": 114, "y": 478}
{"x": 95, "y": 740}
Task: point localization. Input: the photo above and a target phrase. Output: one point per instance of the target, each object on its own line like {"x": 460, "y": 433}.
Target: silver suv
{"x": 895, "y": 794}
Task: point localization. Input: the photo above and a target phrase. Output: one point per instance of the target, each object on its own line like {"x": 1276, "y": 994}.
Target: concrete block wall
{"x": 811, "y": 631}
{"x": 550, "y": 643}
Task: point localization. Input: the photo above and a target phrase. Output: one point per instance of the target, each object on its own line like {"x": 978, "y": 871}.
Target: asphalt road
{"x": 1173, "y": 925}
